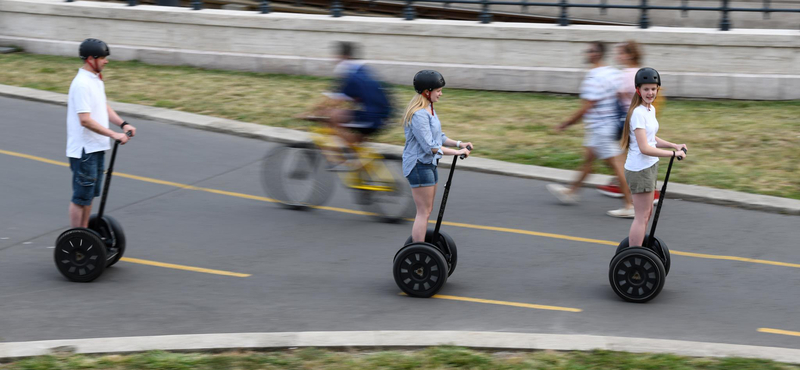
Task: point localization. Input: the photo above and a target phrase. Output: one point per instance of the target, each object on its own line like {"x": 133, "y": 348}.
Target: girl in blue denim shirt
{"x": 425, "y": 144}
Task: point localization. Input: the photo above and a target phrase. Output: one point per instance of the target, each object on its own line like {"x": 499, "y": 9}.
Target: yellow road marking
{"x": 345, "y": 210}
{"x": 182, "y": 267}
{"x": 526, "y": 232}
{"x": 778, "y": 331}
{"x": 35, "y": 158}
{"x": 456, "y": 224}
{"x": 504, "y": 303}
{"x": 734, "y": 258}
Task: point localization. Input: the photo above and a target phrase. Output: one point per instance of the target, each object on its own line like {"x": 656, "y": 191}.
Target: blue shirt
{"x": 423, "y": 134}
{"x": 358, "y": 83}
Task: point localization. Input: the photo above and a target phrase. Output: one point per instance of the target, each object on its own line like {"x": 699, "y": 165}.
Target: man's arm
{"x": 91, "y": 124}
{"x": 114, "y": 118}
{"x": 587, "y": 104}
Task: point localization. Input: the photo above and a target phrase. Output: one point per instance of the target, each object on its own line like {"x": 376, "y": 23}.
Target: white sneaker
{"x": 622, "y": 213}
{"x": 562, "y": 193}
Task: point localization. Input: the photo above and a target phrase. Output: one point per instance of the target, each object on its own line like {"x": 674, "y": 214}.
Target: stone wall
{"x": 706, "y": 63}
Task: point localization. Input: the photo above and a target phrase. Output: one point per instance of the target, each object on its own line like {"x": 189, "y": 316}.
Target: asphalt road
{"x": 331, "y": 270}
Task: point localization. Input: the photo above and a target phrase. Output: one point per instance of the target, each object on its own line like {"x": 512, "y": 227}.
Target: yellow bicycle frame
{"x": 372, "y": 174}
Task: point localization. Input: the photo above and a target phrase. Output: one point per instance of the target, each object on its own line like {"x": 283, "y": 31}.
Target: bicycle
{"x": 300, "y": 176}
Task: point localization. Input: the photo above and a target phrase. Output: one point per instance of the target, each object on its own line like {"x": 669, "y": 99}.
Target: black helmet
{"x": 428, "y": 80}
{"x": 93, "y": 48}
{"x": 647, "y": 75}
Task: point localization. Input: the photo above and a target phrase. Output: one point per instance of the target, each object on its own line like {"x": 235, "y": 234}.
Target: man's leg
{"x": 87, "y": 214}
{"x": 616, "y": 164}
{"x": 79, "y": 215}
{"x": 75, "y": 215}
{"x": 586, "y": 169}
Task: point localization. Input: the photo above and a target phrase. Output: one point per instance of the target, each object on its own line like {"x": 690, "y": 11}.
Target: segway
{"x": 421, "y": 269}
{"x": 82, "y": 254}
{"x": 637, "y": 274}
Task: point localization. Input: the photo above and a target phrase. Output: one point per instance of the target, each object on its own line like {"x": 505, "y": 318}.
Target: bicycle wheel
{"x": 296, "y": 176}
{"x": 391, "y": 205}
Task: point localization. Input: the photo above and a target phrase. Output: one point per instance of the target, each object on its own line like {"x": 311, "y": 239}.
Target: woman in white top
{"x": 639, "y": 137}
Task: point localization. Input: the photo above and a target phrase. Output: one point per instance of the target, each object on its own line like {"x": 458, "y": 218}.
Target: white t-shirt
{"x": 646, "y": 119}
{"x": 87, "y": 94}
{"x": 600, "y": 86}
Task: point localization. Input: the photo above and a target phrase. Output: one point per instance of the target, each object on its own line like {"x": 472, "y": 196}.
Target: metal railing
{"x": 485, "y": 16}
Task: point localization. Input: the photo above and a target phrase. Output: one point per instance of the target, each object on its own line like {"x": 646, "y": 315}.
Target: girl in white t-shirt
{"x": 639, "y": 138}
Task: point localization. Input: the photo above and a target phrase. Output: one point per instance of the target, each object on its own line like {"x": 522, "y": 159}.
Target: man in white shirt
{"x": 600, "y": 116}
{"x": 88, "y": 115}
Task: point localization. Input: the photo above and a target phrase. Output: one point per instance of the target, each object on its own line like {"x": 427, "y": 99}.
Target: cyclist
{"x": 357, "y": 86}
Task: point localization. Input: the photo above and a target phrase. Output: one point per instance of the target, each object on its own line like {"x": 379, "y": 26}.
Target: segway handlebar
{"x": 109, "y": 171}
{"x": 469, "y": 147}
{"x": 446, "y": 194}
{"x": 663, "y": 195}
{"x": 684, "y": 150}
{"x": 126, "y": 133}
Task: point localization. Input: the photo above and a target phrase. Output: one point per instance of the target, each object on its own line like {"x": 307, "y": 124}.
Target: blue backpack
{"x": 622, "y": 115}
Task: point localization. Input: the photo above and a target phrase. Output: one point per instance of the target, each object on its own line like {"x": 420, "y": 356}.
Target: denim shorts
{"x": 87, "y": 177}
{"x": 423, "y": 174}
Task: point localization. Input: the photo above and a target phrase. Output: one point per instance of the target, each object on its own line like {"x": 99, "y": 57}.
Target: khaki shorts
{"x": 643, "y": 181}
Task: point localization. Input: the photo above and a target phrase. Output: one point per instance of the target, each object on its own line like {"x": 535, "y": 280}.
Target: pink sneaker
{"x": 610, "y": 191}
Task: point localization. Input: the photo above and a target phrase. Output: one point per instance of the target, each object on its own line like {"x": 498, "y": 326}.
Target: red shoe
{"x": 656, "y": 196}
{"x": 610, "y": 190}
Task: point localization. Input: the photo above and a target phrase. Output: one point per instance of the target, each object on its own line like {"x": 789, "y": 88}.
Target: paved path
{"x": 734, "y": 271}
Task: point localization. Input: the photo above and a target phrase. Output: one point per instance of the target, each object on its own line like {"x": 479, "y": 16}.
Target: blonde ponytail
{"x": 637, "y": 100}
{"x": 417, "y": 102}
{"x": 625, "y": 141}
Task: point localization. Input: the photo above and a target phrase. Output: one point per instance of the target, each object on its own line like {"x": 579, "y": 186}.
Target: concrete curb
{"x": 384, "y": 339}
{"x": 283, "y": 135}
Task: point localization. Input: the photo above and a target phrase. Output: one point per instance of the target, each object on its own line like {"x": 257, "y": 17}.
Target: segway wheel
{"x": 636, "y": 274}
{"x": 113, "y": 235}
{"x": 445, "y": 244}
{"x": 660, "y": 248}
{"x": 80, "y": 255}
{"x": 420, "y": 270}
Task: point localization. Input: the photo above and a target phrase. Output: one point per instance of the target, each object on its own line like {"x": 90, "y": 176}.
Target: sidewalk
{"x": 389, "y": 339}
{"x": 277, "y": 134}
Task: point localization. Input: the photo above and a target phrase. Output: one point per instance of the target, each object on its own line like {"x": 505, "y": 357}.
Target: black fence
{"x": 485, "y": 14}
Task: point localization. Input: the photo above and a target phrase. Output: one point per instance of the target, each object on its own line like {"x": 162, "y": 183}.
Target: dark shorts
{"x": 423, "y": 175}
{"x": 643, "y": 181}
{"x": 87, "y": 177}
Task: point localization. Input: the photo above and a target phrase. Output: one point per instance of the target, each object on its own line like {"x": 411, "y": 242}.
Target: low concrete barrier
{"x": 701, "y": 63}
